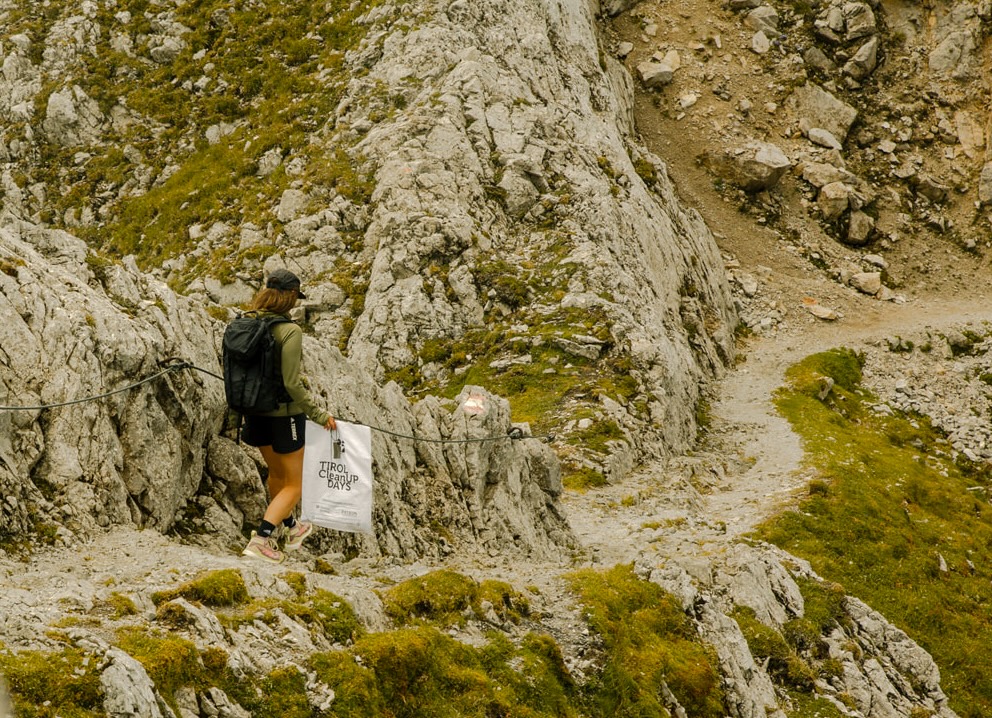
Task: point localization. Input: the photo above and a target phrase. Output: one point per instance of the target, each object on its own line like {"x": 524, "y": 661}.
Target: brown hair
{"x": 278, "y": 301}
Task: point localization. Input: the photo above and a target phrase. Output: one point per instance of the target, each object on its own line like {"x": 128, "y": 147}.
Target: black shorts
{"x": 285, "y": 434}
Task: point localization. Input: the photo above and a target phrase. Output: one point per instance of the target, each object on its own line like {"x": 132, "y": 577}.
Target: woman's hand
{"x": 330, "y": 424}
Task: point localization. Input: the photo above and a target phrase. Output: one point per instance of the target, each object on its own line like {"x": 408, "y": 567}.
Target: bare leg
{"x": 285, "y": 483}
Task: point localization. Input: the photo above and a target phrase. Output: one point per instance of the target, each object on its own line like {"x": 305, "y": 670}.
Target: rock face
{"x": 883, "y": 671}
{"x": 152, "y": 456}
{"x": 473, "y": 176}
{"x": 543, "y": 112}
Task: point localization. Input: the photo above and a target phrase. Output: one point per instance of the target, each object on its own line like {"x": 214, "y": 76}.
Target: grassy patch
{"x": 43, "y": 685}
{"x": 419, "y": 671}
{"x": 891, "y": 504}
{"x": 270, "y": 73}
{"x": 217, "y": 588}
{"x": 648, "y": 640}
{"x": 444, "y": 597}
{"x": 581, "y": 478}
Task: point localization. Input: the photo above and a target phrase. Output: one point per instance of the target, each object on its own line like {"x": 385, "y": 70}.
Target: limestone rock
{"x": 859, "y": 229}
{"x": 128, "y": 691}
{"x": 822, "y": 109}
{"x": 656, "y": 73}
{"x": 834, "y": 199}
{"x": 866, "y": 282}
{"x": 954, "y": 56}
{"x": 823, "y": 138}
{"x": 985, "y": 184}
{"x": 864, "y": 61}
{"x": 757, "y": 166}
{"x": 859, "y": 20}
{"x": 817, "y": 59}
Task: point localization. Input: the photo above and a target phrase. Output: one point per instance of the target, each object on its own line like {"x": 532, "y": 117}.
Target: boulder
{"x": 757, "y": 166}
{"x": 859, "y": 20}
{"x": 985, "y": 184}
{"x": 834, "y": 199}
{"x": 864, "y": 61}
{"x": 859, "y": 229}
{"x": 821, "y": 109}
{"x": 866, "y": 282}
{"x": 763, "y": 18}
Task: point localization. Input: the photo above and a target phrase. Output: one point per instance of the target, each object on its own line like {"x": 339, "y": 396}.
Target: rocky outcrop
{"x": 540, "y": 119}
{"x": 884, "y": 673}
{"x": 153, "y": 457}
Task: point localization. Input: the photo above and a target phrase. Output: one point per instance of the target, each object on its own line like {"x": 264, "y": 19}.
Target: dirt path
{"x": 751, "y": 466}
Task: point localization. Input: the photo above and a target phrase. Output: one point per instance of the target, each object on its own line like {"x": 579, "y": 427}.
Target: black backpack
{"x": 252, "y": 368}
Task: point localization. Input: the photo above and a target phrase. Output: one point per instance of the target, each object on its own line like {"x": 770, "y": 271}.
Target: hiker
{"x": 279, "y": 434}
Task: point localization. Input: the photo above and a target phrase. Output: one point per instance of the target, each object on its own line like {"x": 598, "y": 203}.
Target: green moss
{"x": 419, "y": 671}
{"x": 284, "y": 693}
{"x": 597, "y": 437}
{"x": 810, "y": 705}
{"x": 895, "y": 500}
{"x": 171, "y": 662}
{"x": 439, "y": 597}
{"x": 217, "y": 588}
{"x": 325, "y": 613}
{"x": 581, "y": 478}
{"x": 43, "y": 685}
{"x": 297, "y": 581}
{"x": 841, "y": 365}
{"x": 503, "y": 279}
{"x": 337, "y": 617}
{"x": 648, "y": 639}
{"x": 769, "y": 646}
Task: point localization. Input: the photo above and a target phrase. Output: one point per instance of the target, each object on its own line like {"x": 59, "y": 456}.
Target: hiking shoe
{"x": 263, "y": 548}
{"x": 294, "y": 536}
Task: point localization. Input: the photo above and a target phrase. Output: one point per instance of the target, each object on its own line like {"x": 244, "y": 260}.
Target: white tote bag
{"x": 337, "y": 477}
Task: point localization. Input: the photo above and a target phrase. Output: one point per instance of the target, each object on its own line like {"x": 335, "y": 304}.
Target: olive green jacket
{"x": 289, "y": 337}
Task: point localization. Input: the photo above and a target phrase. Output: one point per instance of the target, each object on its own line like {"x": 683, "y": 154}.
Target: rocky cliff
{"x": 154, "y": 457}
{"x": 468, "y": 199}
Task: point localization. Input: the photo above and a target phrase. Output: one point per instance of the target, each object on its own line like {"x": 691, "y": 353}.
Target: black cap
{"x": 286, "y": 280}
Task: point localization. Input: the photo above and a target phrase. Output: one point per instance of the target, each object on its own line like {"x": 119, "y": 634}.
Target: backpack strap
{"x": 269, "y": 323}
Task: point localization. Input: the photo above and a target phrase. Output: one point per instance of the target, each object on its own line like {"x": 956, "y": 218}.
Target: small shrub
{"x": 324, "y": 567}
{"x": 582, "y": 478}
{"x": 818, "y": 487}
{"x": 120, "y": 605}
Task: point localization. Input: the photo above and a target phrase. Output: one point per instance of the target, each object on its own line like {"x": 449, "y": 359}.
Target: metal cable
{"x": 513, "y": 434}
{"x": 84, "y": 400}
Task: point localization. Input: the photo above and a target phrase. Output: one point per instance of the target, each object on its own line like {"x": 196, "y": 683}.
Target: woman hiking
{"x": 279, "y": 434}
